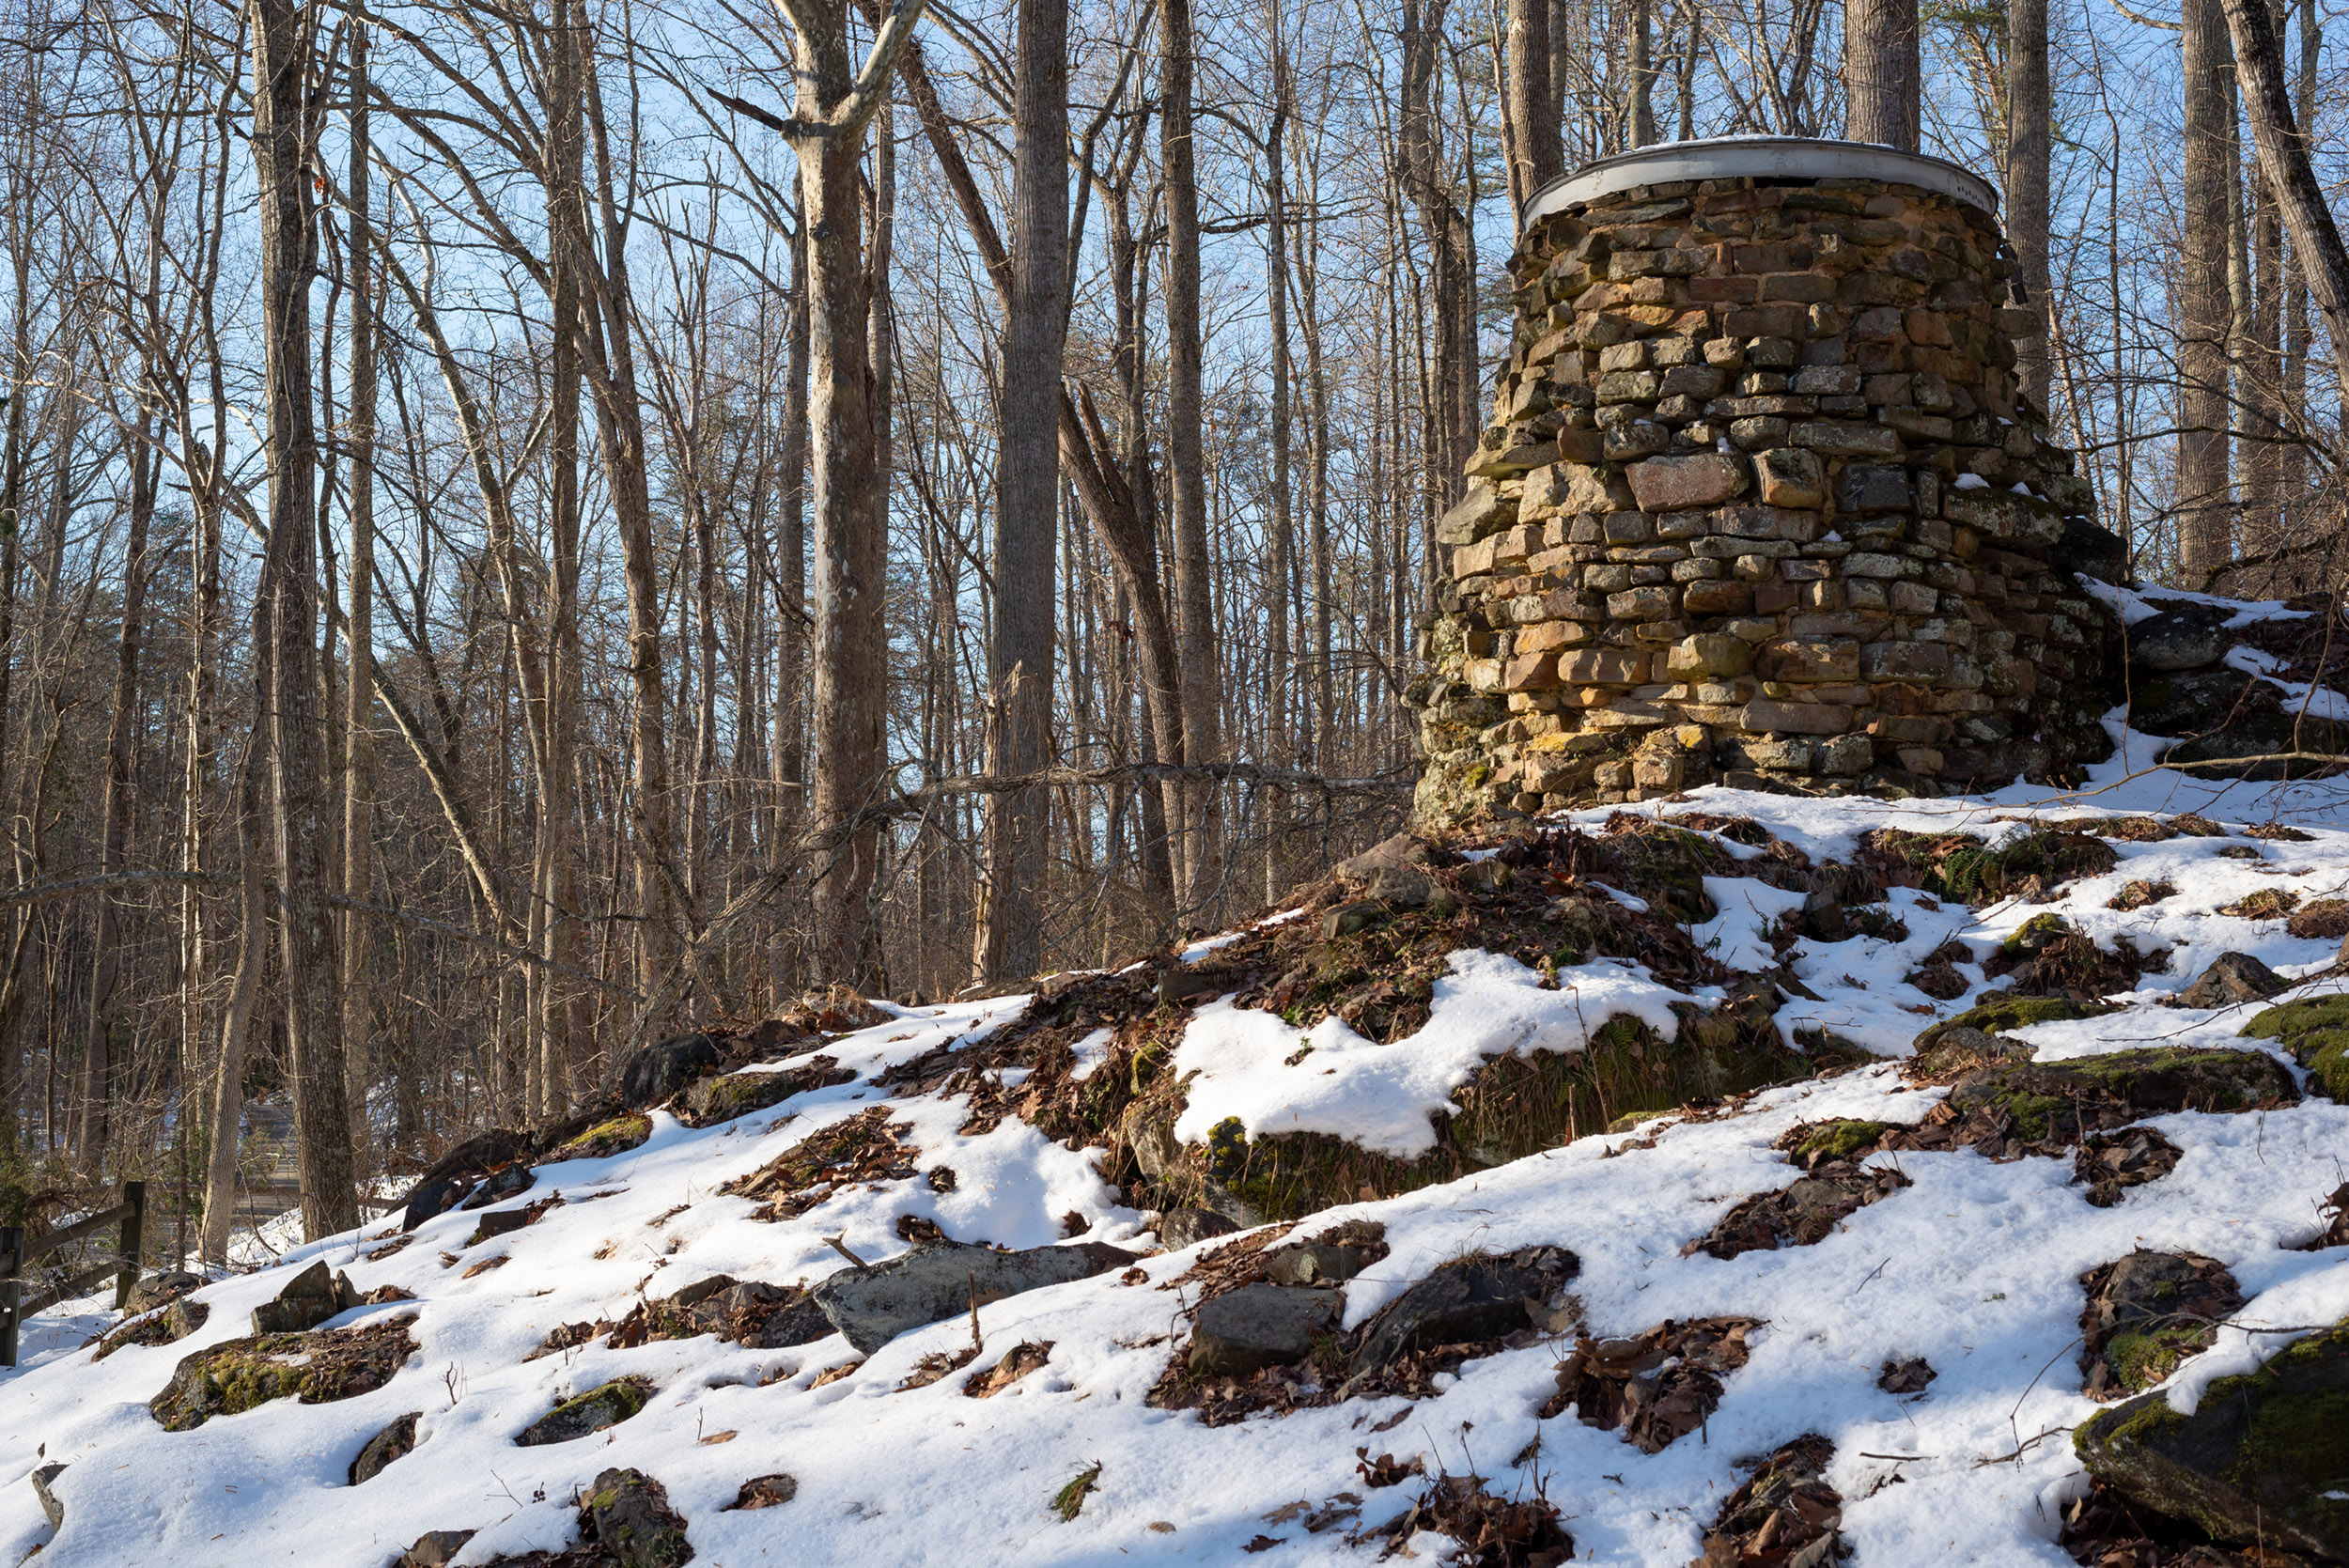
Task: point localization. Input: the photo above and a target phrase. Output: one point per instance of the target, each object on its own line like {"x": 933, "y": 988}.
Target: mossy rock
{"x": 712, "y": 1101}
{"x": 2034, "y": 934}
{"x": 2262, "y": 1459}
{"x": 1668, "y": 865}
{"x": 2299, "y": 1017}
{"x": 2002, "y": 1012}
{"x": 604, "y": 1406}
{"x": 2325, "y": 1055}
{"x": 2154, "y": 1081}
{"x": 1841, "y": 1138}
{"x": 1959, "y": 867}
{"x": 1514, "y": 1106}
{"x": 616, "y": 1135}
{"x": 242, "y": 1374}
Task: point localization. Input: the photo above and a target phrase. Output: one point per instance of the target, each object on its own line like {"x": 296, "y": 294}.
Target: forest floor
{"x": 1894, "y": 1381}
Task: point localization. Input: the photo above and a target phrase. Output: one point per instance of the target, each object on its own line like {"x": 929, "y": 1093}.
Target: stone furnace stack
{"x": 1760, "y": 502}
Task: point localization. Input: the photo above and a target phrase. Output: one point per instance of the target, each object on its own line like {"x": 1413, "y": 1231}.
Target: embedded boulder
{"x": 459, "y": 1170}
{"x": 2233, "y": 977}
{"x": 711, "y": 1100}
{"x": 44, "y": 1489}
{"x": 666, "y": 1066}
{"x": 2060, "y": 1100}
{"x": 235, "y": 1375}
{"x": 308, "y": 1300}
{"x": 387, "y": 1445}
{"x": 1259, "y": 1325}
{"x": 2315, "y": 1029}
{"x": 1181, "y": 1228}
{"x": 2182, "y": 637}
{"x": 934, "y": 1280}
{"x": 435, "y": 1549}
{"x": 1487, "y": 1298}
{"x": 2146, "y": 1313}
{"x": 605, "y": 1405}
{"x": 2259, "y": 1461}
{"x": 627, "y": 1514}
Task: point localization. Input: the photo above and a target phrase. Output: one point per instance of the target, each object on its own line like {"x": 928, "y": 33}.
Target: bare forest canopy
{"x": 531, "y": 525}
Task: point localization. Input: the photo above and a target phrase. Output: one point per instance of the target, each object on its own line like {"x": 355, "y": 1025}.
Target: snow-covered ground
{"x": 1975, "y": 1267}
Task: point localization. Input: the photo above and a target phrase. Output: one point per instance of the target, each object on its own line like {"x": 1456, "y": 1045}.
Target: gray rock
{"x": 1307, "y": 1263}
{"x": 309, "y": 1299}
{"x": 2197, "y": 701}
{"x": 607, "y": 1404}
{"x": 459, "y": 1170}
{"x": 2250, "y": 745}
{"x": 933, "y": 1282}
{"x": 766, "y": 1491}
{"x": 500, "y": 1186}
{"x": 1393, "y": 872}
{"x": 1259, "y": 1325}
{"x": 385, "y": 1446}
{"x": 2093, "y": 551}
{"x": 626, "y": 1513}
{"x": 666, "y": 1066}
{"x": 156, "y": 1289}
{"x": 2261, "y": 1460}
{"x": 50, "y": 1503}
{"x": 1181, "y": 1228}
{"x": 1476, "y": 1298}
{"x": 434, "y": 1548}
{"x": 2184, "y": 638}
{"x": 2233, "y": 977}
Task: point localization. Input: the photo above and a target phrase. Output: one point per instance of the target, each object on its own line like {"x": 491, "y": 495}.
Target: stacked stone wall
{"x": 1760, "y": 503}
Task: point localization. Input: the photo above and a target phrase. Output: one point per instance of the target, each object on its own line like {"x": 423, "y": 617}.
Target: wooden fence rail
{"x": 17, "y": 1253}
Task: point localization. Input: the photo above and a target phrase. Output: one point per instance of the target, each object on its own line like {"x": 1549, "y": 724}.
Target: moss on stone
{"x": 614, "y": 1136}
{"x": 2299, "y": 1017}
{"x": 2033, "y": 934}
{"x": 1843, "y": 1139}
{"x": 2001, "y": 1012}
{"x": 2328, "y": 1065}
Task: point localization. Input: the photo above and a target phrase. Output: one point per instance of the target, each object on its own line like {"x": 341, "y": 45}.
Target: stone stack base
{"x": 1760, "y": 504}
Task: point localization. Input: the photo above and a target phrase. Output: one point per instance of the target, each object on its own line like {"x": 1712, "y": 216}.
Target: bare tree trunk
{"x": 850, "y": 651}
{"x": 2205, "y": 530}
{"x": 359, "y": 636}
{"x": 1882, "y": 77}
{"x": 564, "y": 1029}
{"x": 2292, "y": 465}
{"x": 2284, "y": 160}
{"x": 1533, "y": 98}
{"x": 236, "y": 1028}
{"x": 791, "y": 620}
{"x": 1281, "y": 567}
{"x": 283, "y": 135}
{"x": 98, "y": 1085}
{"x": 1027, "y": 496}
{"x": 1194, "y": 584}
{"x": 2028, "y": 120}
{"x": 1643, "y": 73}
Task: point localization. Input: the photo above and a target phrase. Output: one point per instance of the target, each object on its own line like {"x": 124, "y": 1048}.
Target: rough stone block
{"x": 1605, "y": 667}
{"x": 1530, "y": 673}
{"x": 1567, "y": 488}
{"x": 1918, "y": 663}
{"x": 1871, "y": 487}
{"x": 1712, "y": 653}
{"x": 1649, "y": 603}
{"x": 1811, "y": 660}
{"x": 1717, "y": 598}
{"x": 1484, "y": 510}
{"x": 1674, "y": 483}
{"x": 1789, "y": 476}
{"x": 1854, "y": 440}
{"x": 1764, "y": 715}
